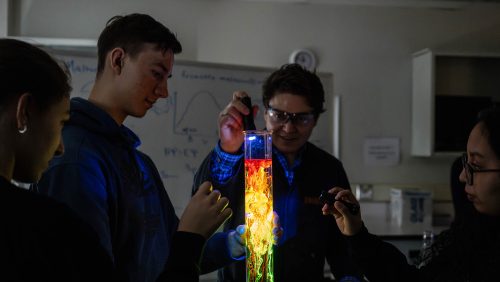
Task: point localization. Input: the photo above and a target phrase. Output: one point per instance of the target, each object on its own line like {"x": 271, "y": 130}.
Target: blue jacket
{"x": 116, "y": 189}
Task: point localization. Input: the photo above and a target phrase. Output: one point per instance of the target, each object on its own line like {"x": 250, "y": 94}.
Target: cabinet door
{"x": 422, "y": 122}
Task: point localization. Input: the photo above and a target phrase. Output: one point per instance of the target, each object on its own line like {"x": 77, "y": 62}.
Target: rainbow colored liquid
{"x": 259, "y": 220}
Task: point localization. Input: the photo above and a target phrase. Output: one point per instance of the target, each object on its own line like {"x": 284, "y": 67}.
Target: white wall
{"x": 368, "y": 49}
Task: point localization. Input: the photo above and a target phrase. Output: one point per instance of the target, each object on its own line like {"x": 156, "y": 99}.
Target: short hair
{"x": 25, "y": 68}
{"x": 490, "y": 118}
{"x": 296, "y": 80}
{"x": 130, "y": 32}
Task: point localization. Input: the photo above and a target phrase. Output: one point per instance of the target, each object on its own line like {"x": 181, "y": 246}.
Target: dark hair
{"x": 130, "y": 32}
{"x": 490, "y": 118}
{"x": 296, "y": 80}
{"x": 25, "y": 68}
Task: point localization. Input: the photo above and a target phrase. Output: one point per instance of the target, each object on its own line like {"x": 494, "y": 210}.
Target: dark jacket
{"x": 116, "y": 189}
{"x": 468, "y": 251}
{"x": 43, "y": 240}
{"x": 300, "y": 257}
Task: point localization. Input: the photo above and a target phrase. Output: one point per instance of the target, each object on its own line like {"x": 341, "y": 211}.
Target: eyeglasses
{"x": 299, "y": 119}
{"x": 469, "y": 170}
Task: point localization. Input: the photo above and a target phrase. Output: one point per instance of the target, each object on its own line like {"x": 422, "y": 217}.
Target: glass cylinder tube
{"x": 258, "y": 206}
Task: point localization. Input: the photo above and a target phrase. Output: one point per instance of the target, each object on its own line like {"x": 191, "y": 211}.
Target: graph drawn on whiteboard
{"x": 179, "y": 131}
{"x": 187, "y": 120}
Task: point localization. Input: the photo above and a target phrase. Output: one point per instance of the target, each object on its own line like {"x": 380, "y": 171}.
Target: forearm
{"x": 379, "y": 260}
{"x": 216, "y": 253}
{"x": 183, "y": 263}
{"x": 223, "y": 165}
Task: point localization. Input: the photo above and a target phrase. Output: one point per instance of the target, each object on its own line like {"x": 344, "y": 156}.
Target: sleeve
{"x": 222, "y": 165}
{"x": 218, "y": 167}
{"x": 338, "y": 254}
{"x": 216, "y": 253}
{"x": 342, "y": 177}
{"x": 340, "y": 260}
{"x": 83, "y": 187}
{"x": 89, "y": 260}
{"x": 379, "y": 260}
{"x": 183, "y": 263}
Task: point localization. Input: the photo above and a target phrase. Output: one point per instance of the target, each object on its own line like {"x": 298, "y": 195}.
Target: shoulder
{"x": 86, "y": 151}
{"x": 78, "y": 139}
{"x": 42, "y": 229}
{"x": 146, "y": 158}
{"x": 36, "y": 209}
{"x": 322, "y": 170}
{"x": 313, "y": 153}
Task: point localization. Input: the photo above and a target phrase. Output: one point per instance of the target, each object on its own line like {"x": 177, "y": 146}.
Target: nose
{"x": 288, "y": 126}
{"x": 162, "y": 89}
{"x": 60, "y": 149}
{"x": 462, "y": 177}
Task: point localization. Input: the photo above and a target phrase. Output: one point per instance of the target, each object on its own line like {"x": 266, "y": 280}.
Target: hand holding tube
{"x": 231, "y": 122}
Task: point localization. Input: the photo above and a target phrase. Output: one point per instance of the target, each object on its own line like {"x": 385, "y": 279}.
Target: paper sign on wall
{"x": 381, "y": 151}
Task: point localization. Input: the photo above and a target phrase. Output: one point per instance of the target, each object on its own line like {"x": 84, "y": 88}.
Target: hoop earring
{"x": 23, "y": 130}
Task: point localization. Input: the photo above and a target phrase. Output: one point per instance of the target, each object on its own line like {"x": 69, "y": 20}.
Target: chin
{"x": 139, "y": 114}
{"x": 288, "y": 145}
{"x": 487, "y": 210}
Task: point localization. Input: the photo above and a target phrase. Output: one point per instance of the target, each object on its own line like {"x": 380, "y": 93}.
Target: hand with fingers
{"x": 349, "y": 223}
{"x": 236, "y": 238}
{"x": 277, "y": 229}
{"x": 205, "y": 212}
{"x": 236, "y": 242}
{"x": 231, "y": 122}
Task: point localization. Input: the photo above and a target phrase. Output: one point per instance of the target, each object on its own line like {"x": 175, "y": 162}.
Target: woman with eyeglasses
{"x": 470, "y": 249}
{"x": 293, "y": 98}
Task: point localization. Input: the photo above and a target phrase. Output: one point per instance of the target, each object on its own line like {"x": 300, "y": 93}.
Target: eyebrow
{"x": 298, "y": 113}
{"x": 477, "y": 155}
{"x": 161, "y": 65}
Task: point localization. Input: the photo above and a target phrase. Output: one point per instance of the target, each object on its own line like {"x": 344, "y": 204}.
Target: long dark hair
{"x": 25, "y": 68}
{"x": 472, "y": 245}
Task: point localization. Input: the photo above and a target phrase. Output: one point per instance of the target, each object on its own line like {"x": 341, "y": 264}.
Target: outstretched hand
{"x": 348, "y": 223}
{"x": 205, "y": 212}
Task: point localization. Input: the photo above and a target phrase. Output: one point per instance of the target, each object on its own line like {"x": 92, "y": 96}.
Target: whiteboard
{"x": 179, "y": 131}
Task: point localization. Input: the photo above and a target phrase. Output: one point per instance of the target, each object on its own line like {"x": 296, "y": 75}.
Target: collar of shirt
{"x": 132, "y": 139}
{"x": 289, "y": 170}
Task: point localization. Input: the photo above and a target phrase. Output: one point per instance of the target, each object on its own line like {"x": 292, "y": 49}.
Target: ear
{"x": 255, "y": 110}
{"x": 22, "y": 111}
{"x": 116, "y": 58}
{"x": 265, "y": 115}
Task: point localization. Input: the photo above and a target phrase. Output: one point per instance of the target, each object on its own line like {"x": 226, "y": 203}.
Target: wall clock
{"x": 304, "y": 57}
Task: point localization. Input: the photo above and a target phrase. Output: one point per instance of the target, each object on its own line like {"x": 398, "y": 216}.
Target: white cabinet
{"x": 448, "y": 90}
